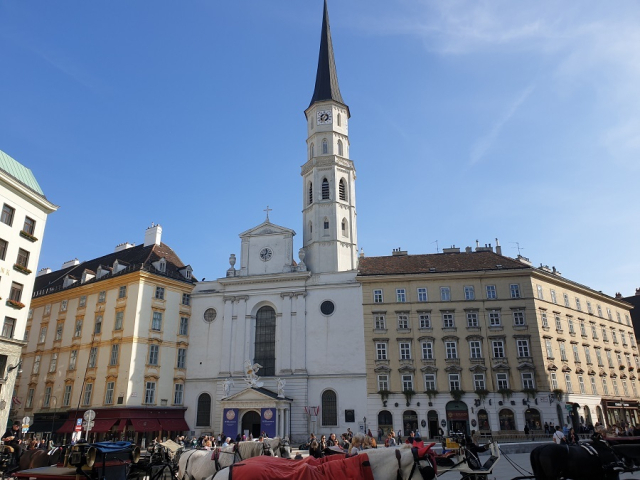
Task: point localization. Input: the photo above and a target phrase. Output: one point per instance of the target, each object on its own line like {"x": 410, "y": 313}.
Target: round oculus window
{"x": 210, "y": 315}
{"x": 266, "y": 254}
{"x": 327, "y": 307}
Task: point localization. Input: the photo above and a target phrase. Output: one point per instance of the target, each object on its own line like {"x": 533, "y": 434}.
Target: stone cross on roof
{"x": 268, "y": 210}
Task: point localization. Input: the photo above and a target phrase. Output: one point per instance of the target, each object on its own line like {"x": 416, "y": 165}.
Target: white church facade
{"x": 299, "y": 321}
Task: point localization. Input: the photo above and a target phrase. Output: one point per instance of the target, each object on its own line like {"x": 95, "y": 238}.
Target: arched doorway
{"x": 251, "y": 423}
{"x": 409, "y": 422}
{"x": 532, "y": 419}
{"x": 507, "y": 419}
{"x": 483, "y": 421}
{"x": 385, "y": 421}
{"x": 599, "y": 415}
{"x": 575, "y": 416}
{"x": 457, "y": 417}
{"x": 203, "y": 412}
{"x": 560, "y": 416}
{"x": 432, "y": 421}
{"x": 587, "y": 416}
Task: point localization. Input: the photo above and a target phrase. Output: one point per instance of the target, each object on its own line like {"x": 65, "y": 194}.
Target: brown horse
{"x": 39, "y": 458}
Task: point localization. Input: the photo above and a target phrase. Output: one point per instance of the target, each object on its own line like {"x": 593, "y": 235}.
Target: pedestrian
{"x": 546, "y": 428}
{"x": 380, "y": 433}
{"x": 526, "y": 431}
{"x": 559, "y": 437}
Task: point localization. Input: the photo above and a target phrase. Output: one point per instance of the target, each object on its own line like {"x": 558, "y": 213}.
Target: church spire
{"x": 327, "y": 87}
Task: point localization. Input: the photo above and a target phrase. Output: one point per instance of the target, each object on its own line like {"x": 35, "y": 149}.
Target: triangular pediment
{"x": 254, "y": 395}
{"x": 267, "y": 228}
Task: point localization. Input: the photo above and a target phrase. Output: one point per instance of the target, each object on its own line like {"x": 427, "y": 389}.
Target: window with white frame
{"x": 609, "y": 359}
{"x": 156, "y": 322}
{"x": 475, "y": 347}
{"x": 626, "y": 318}
{"x": 73, "y": 359}
{"x": 528, "y": 382}
{"x": 614, "y": 336}
{"x": 66, "y": 396}
{"x": 614, "y": 382}
{"x": 567, "y": 380}
{"x": 47, "y": 309}
{"x": 122, "y": 291}
{"x": 403, "y": 321}
{"x": 407, "y": 383}
{"x": 401, "y": 295}
{"x": 186, "y": 299}
{"x": 605, "y": 337}
{"x": 108, "y": 394}
{"x": 115, "y": 352}
{"x": 494, "y": 318}
{"x": 619, "y": 357}
{"x": 594, "y": 331}
{"x": 377, "y": 296}
{"x": 425, "y": 320}
{"x": 159, "y": 293}
{"x": 83, "y": 301}
{"x": 154, "y": 350}
{"x": 383, "y": 382}
{"x": 523, "y": 347}
{"x": 178, "y": 394}
{"x": 59, "y": 331}
{"x": 554, "y": 381}
{"x": 502, "y": 381}
{"x": 634, "y": 388}
{"x": 472, "y": 319}
{"x": 514, "y": 289}
{"x": 563, "y": 351}
{"x": 623, "y": 338}
{"x": 583, "y": 330}
{"x": 554, "y": 299}
{"x": 77, "y": 332}
{"x": 558, "y": 322}
{"x": 36, "y": 365}
{"x": 581, "y": 384}
{"x": 491, "y": 292}
{"x": 478, "y": 381}
{"x": 543, "y": 318}
{"x": 609, "y": 314}
{"x": 628, "y": 358}
{"x": 98, "y": 325}
{"x": 498, "y": 348}
{"x": 427, "y": 350}
{"x": 589, "y": 309}
{"x": 594, "y": 388}
{"x": 605, "y": 387}
{"x": 445, "y": 294}
{"x": 587, "y": 354}
{"x": 566, "y": 300}
{"x": 576, "y": 355}
{"x": 88, "y": 390}
{"x": 422, "y": 295}
{"x": 570, "y": 324}
{"x": 150, "y": 393}
{"x": 547, "y": 343}
{"x": 29, "y": 402}
{"x": 46, "y": 400}
{"x": 93, "y": 357}
{"x": 182, "y": 358}
{"x": 381, "y": 351}
{"x": 624, "y": 387}
{"x": 102, "y": 296}
{"x": 54, "y": 363}
{"x": 119, "y": 321}
{"x": 430, "y": 381}
{"x": 518, "y": 318}
{"x": 469, "y": 292}
{"x": 578, "y": 304}
{"x": 447, "y": 320}
{"x": 540, "y": 294}
{"x": 451, "y": 349}
{"x": 63, "y": 305}
{"x": 43, "y": 334}
{"x": 380, "y": 322}
{"x": 454, "y": 381}
{"x": 599, "y": 308}
{"x": 405, "y": 351}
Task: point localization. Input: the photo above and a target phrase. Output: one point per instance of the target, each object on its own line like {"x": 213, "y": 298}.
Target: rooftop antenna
{"x": 437, "y": 248}
{"x": 518, "y": 247}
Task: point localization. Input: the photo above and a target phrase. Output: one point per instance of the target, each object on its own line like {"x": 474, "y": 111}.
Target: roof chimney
{"x": 46, "y": 270}
{"x": 618, "y": 295}
{"x": 152, "y": 235}
{"x": 498, "y": 247}
{"x": 637, "y": 291}
{"x": 452, "y": 249}
{"x": 398, "y": 251}
{"x": 71, "y": 263}
{"x": 123, "y": 246}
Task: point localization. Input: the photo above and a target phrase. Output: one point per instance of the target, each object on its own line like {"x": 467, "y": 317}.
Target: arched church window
{"x": 340, "y": 147}
{"x": 326, "y": 223}
{"x": 344, "y": 227}
{"x": 329, "y": 408}
{"x": 325, "y": 189}
{"x": 310, "y": 193}
{"x": 325, "y": 147}
{"x": 203, "y": 415}
{"x": 342, "y": 190}
{"x": 339, "y": 120}
{"x": 265, "y": 345}
{"x": 312, "y": 151}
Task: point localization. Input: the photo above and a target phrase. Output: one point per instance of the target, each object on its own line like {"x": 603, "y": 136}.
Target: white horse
{"x": 200, "y": 464}
{"x": 279, "y": 446}
{"x": 385, "y": 465}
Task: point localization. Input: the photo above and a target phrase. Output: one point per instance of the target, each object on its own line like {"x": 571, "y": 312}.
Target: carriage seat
{"x": 8, "y": 449}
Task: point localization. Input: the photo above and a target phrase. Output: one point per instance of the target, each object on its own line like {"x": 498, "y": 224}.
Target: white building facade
{"x": 300, "y": 321}
{"x": 22, "y": 223}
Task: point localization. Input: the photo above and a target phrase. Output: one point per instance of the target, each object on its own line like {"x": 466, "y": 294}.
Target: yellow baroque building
{"x": 469, "y": 340}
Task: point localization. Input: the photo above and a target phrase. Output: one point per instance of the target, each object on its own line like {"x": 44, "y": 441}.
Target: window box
{"x": 482, "y": 393}
{"x": 558, "y": 392}
{"x": 21, "y": 269}
{"x": 28, "y": 236}
{"x": 384, "y": 394}
{"x": 14, "y": 304}
{"x": 505, "y": 392}
{"x": 431, "y": 393}
{"x": 457, "y": 394}
{"x": 530, "y": 392}
{"x": 408, "y": 395}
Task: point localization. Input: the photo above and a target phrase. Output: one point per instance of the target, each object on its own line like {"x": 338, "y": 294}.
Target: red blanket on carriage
{"x": 327, "y": 468}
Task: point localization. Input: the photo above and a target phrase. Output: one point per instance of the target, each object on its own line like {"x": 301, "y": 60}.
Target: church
{"x": 279, "y": 341}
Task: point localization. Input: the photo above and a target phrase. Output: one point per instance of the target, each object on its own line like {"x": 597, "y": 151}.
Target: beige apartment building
{"x": 476, "y": 340}
{"x": 109, "y": 334}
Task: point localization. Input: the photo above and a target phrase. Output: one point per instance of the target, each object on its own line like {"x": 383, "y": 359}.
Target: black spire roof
{"x": 327, "y": 87}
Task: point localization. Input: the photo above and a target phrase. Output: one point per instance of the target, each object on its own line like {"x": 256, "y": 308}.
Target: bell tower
{"x": 328, "y": 176}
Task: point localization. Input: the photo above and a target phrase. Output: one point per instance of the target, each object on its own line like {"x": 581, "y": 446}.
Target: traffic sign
{"x": 89, "y": 415}
{"x": 78, "y": 427}
{"x": 88, "y": 425}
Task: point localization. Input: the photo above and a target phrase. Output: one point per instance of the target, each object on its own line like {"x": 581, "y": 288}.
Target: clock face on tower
{"x": 323, "y": 117}
{"x": 266, "y": 254}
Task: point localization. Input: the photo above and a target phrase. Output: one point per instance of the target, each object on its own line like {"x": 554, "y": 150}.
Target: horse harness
{"x": 425, "y": 472}
{"x": 215, "y": 456}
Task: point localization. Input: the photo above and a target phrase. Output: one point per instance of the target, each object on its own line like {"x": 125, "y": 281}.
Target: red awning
{"x": 102, "y": 425}
{"x": 174, "y": 425}
{"x": 122, "y": 425}
{"x": 145, "y": 425}
{"x": 68, "y": 426}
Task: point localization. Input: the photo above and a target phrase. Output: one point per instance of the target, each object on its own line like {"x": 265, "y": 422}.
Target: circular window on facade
{"x": 327, "y": 307}
{"x": 210, "y": 315}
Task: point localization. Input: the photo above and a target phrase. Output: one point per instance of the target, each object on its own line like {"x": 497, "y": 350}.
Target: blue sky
{"x": 470, "y": 120}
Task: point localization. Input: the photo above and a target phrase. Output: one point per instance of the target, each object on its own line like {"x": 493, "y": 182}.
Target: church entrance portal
{"x": 251, "y": 424}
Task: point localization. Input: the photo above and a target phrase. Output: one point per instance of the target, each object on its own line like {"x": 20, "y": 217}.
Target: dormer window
{"x": 87, "y": 275}
{"x": 102, "y": 271}
{"x": 186, "y": 272}
{"x": 161, "y": 265}
{"x": 119, "y": 265}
